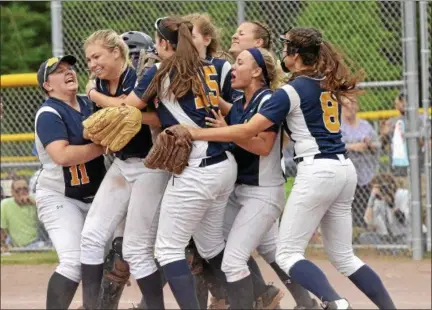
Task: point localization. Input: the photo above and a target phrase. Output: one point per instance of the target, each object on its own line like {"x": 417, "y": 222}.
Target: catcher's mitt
{"x": 113, "y": 127}
{"x": 171, "y": 150}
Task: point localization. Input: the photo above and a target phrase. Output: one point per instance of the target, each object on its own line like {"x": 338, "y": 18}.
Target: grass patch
{"x": 288, "y": 186}
{"x": 29, "y": 258}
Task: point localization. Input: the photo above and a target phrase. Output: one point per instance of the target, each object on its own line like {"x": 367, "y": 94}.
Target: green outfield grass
{"x": 29, "y": 258}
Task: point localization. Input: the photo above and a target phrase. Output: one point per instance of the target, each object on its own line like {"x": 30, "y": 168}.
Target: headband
{"x": 165, "y": 32}
{"x": 256, "y": 54}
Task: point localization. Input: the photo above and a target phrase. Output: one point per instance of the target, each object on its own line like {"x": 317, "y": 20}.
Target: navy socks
{"x": 371, "y": 285}
{"x": 152, "y": 290}
{"x": 182, "y": 284}
{"x": 308, "y": 275}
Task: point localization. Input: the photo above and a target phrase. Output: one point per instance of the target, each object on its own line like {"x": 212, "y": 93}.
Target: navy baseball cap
{"x": 48, "y": 67}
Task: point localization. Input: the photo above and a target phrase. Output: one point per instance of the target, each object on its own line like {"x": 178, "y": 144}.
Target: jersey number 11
{"x": 75, "y": 178}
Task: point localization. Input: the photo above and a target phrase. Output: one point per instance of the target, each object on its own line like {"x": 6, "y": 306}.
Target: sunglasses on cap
{"x": 283, "y": 39}
{"x": 50, "y": 65}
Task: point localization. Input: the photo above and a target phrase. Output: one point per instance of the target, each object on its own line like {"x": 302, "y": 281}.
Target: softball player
{"x": 252, "y": 34}
{"x": 72, "y": 170}
{"x": 194, "y": 201}
{"x": 126, "y": 182}
{"x": 309, "y": 103}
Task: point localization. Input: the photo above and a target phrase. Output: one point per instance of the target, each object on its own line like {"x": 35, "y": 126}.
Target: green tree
{"x": 25, "y": 36}
{"x": 81, "y": 18}
{"x": 357, "y": 30}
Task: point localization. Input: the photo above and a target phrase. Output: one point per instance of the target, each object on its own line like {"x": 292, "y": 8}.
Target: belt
{"x": 321, "y": 156}
{"x": 213, "y": 160}
{"x": 123, "y": 156}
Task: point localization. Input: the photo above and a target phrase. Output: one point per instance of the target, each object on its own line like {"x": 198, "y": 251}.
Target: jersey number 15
{"x": 210, "y": 75}
{"x": 75, "y": 177}
{"x": 330, "y": 109}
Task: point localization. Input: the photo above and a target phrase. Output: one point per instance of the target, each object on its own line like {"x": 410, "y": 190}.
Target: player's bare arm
{"x": 65, "y": 154}
{"x": 105, "y": 101}
{"x": 259, "y": 145}
{"x": 151, "y": 119}
{"x": 256, "y": 125}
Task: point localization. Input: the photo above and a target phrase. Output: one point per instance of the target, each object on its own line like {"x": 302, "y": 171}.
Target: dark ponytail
{"x": 324, "y": 60}
{"x": 185, "y": 63}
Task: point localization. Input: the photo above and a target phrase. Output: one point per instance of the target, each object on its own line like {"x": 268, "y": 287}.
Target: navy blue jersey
{"x": 141, "y": 143}
{"x": 56, "y": 120}
{"x": 188, "y": 110}
{"x": 313, "y": 117}
{"x": 254, "y": 169}
{"x": 223, "y": 69}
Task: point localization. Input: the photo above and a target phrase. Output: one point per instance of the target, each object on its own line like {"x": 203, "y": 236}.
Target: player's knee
{"x": 70, "y": 265}
{"x": 346, "y": 264}
{"x": 234, "y": 265}
{"x": 286, "y": 260}
{"x": 268, "y": 253}
{"x": 165, "y": 255}
{"x": 92, "y": 247}
{"x": 134, "y": 254}
{"x": 235, "y": 270}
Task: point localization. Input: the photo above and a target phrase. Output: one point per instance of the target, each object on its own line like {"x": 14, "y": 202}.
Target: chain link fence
{"x": 368, "y": 32}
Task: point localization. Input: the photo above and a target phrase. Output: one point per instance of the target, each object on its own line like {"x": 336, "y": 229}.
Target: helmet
{"x": 136, "y": 41}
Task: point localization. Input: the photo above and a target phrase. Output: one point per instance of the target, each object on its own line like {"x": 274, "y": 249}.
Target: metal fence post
{"x": 412, "y": 134}
{"x": 56, "y": 28}
{"x": 240, "y": 12}
{"x": 425, "y": 54}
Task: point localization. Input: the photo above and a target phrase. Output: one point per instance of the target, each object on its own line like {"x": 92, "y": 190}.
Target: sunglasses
{"x": 282, "y": 37}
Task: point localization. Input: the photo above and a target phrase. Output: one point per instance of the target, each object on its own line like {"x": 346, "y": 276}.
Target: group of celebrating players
{"x": 228, "y": 200}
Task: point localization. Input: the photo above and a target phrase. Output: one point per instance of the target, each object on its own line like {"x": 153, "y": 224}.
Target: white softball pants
{"x": 251, "y": 222}
{"x": 128, "y": 187}
{"x": 194, "y": 205}
{"x": 322, "y": 194}
{"x": 63, "y": 219}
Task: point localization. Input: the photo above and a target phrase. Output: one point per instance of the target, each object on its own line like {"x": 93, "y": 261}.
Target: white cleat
{"x": 337, "y": 304}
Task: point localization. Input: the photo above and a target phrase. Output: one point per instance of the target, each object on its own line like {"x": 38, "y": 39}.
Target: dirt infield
{"x": 409, "y": 283}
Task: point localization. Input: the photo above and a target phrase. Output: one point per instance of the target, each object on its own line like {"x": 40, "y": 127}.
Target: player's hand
{"x": 218, "y": 121}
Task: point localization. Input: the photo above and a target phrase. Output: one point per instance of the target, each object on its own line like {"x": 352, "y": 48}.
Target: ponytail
{"x": 182, "y": 67}
{"x": 325, "y": 61}
{"x": 338, "y": 78}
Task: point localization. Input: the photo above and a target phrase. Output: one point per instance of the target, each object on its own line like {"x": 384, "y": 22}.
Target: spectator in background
{"x": 19, "y": 221}
{"x": 362, "y": 144}
{"x": 387, "y": 213}
{"x": 387, "y": 135}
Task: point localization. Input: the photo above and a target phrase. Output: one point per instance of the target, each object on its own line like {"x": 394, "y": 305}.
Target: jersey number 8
{"x": 75, "y": 179}
{"x": 209, "y": 73}
{"x": 330, "y": 109}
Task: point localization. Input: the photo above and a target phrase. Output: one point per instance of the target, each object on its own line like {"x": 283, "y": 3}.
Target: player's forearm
{"x": 256, "y": 145}
{"x": 223, "y": 134}
{"x": 78, "y": 154}
{"x": 151, "y": 119}
{"x": 104, "y": 101}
